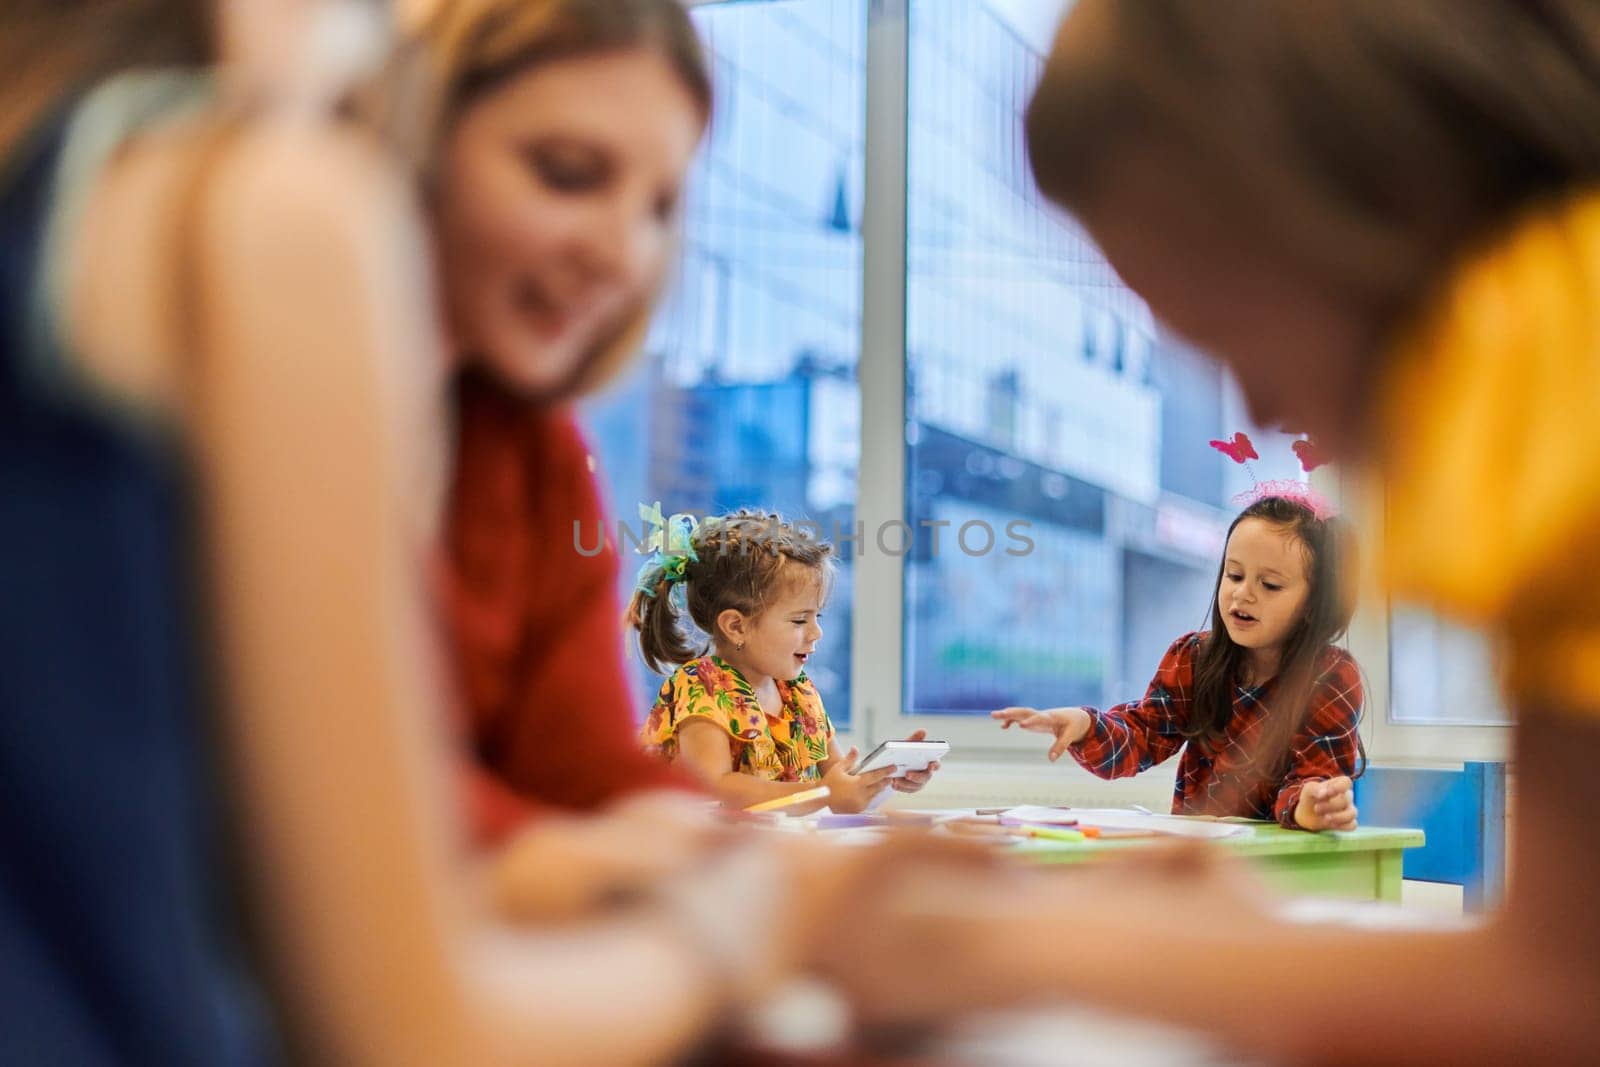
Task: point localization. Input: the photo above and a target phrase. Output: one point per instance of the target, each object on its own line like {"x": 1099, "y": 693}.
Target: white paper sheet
{"x": 1123, "y": 819}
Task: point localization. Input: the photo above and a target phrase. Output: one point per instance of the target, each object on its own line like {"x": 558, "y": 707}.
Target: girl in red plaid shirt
{"x": 1264, "y": 706}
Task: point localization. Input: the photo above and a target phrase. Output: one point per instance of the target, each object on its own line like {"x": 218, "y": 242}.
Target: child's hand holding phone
{"x": 914, "y": 779}
{"x": 852, "y": 792}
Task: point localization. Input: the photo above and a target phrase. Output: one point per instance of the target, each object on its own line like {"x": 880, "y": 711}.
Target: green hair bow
{"x": 671, "y": 544}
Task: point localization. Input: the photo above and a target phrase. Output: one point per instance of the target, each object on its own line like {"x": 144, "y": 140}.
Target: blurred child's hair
{"x": 51, "y": 49}
{"x": 1364, "y": 142}
{"x": 745, "y": 560}
{"x": 1330, "y": 550}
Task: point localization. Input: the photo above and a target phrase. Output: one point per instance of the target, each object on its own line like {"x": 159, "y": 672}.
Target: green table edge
{"x": 1268, "y": 839}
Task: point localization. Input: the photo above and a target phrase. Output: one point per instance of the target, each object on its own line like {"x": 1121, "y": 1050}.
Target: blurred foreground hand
{"x": 932, "y": 943}
{"x": 562, "y": 867}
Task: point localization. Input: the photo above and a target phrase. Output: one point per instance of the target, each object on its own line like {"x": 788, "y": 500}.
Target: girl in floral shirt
{"x": 741, "y": 713}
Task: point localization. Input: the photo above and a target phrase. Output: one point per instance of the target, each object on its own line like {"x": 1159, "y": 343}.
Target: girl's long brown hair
{"x": 1330, "y": 601}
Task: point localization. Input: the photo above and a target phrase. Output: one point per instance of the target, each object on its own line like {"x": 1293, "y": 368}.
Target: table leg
{"x": 1388, "y": 872}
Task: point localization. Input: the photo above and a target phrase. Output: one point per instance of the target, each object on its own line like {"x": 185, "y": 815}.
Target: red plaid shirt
{"x": 1216, "y": 778}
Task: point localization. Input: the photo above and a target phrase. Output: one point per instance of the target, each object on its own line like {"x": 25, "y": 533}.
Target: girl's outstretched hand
{"x": 1068, "y": 725}
{"x": 1329, "y": 804}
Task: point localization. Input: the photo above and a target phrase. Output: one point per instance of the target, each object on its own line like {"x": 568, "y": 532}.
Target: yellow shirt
{"x": 1490, "y": 436}
{"x": 789, "y": 746}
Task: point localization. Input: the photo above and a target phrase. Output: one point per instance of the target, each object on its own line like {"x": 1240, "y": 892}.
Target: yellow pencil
{"x": 801, "y": 797}
{"x": 1053, "y": 833}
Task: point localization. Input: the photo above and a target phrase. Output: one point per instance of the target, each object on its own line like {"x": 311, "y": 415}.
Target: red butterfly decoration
{"x": 1311, "y": 455}
{"x": 1239, "y": 449}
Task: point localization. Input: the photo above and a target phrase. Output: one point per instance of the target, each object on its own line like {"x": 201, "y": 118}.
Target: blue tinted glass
{"x": 1042, "y": 397}
{"x": 746, "y": 394}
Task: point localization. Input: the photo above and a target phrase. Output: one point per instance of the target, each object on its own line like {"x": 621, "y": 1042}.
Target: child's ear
{"x": 732, "y": 625}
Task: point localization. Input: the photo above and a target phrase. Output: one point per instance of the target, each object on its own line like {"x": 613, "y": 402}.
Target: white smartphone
{"x": 903, "y": 756}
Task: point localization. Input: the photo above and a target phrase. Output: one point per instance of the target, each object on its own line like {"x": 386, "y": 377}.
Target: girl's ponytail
{"x": 653, "y": 613}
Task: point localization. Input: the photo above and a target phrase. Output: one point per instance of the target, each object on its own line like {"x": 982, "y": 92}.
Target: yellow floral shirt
{"x": 1489, "y": 433}
{"x": 787, "y": 747}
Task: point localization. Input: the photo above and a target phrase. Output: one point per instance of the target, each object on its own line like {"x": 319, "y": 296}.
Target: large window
{"x": 1441, "y": 673}
{"x": 1042, "y": 401}
{"x": 747, "y": 393}
{"x": 932, "y": 351}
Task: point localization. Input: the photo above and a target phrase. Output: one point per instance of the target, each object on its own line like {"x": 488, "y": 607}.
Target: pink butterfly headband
{"x": 1241, "y": 451}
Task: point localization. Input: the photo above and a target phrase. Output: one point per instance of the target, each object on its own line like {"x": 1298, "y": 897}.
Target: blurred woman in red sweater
{"x": 562, "y": 135}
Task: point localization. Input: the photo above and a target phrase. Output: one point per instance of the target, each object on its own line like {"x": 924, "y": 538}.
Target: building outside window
{"x": 1062, "y": 514}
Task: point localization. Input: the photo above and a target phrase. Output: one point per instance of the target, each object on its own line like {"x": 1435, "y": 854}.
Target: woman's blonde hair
{"x": 470, "y": 47}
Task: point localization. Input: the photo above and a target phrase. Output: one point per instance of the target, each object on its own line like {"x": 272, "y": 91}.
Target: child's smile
{"x": 781, "y": 640}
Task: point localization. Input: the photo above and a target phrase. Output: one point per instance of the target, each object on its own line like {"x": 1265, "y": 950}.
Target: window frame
{"x": 1370, "y": 641}
{"x": 877, "y": 626}
{"x": 877, "y": 701}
